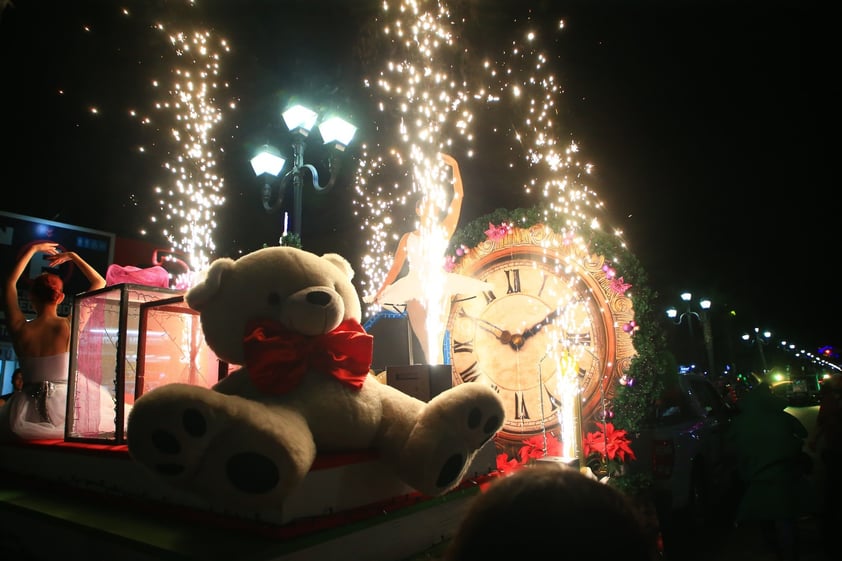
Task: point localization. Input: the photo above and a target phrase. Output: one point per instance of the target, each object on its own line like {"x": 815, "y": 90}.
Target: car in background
{"x": 682, "y": 445}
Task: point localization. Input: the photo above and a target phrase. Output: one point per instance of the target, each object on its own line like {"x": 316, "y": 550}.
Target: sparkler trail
{"x": 426, "y": 104}
{"x": 190, "y": 200}
{"x": 523, "y": 87}
{"x": 178, "y": 124}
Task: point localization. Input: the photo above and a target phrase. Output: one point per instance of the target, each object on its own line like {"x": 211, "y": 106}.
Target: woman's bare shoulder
{"x": 43, "y": 336}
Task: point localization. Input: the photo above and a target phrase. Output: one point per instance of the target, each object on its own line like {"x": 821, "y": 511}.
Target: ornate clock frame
{"x": 578, "y": 274}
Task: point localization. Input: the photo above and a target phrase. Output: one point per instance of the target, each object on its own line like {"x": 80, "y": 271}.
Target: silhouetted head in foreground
{"x": 554, "y": 510}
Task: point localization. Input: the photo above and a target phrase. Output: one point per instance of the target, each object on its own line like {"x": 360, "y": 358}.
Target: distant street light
{"x": 269, "y": 163}
{"x": 702, "y": 317}
{"x": 759, "y": 338}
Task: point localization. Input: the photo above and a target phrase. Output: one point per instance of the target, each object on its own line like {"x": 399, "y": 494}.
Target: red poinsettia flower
{"x": 505, "y": 465}
{"x": 533, "y": 447}
{"x": 609, "y": 443}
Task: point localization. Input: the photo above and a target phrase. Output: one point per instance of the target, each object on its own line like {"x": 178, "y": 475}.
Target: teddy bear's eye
{"x": 273, "y": 299}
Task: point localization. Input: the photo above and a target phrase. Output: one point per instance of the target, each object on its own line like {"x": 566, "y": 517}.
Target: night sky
{"x": 708, "y": 123}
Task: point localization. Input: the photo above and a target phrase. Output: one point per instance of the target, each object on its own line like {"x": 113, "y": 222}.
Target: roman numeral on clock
{"x": 520, "y": 406}
{"x": 513, "y": 280}
{"x": 555, "y": 403}
{"x": 543, "y": 283}
{"x": 471, "y": 373}
{"x": 580, "y": 338}
{"x": 463, "y": 346}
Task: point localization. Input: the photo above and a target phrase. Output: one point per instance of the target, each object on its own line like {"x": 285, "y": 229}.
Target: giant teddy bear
{"x": 290, "y": 319}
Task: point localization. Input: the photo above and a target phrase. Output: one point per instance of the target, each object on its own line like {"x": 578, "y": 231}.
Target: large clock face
{"x": 545, "y": 328}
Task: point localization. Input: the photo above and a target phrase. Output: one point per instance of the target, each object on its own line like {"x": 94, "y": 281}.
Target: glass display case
{"x": 128, "y": 339}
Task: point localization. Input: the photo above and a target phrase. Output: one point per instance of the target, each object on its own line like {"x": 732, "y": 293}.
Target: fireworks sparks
{"x": 194, "y": 192}
{"x": 523, "y": 86}
{"x": 419, "y": 94}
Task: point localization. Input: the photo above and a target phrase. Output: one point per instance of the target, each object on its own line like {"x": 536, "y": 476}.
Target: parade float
{"x": 567, "y": 298}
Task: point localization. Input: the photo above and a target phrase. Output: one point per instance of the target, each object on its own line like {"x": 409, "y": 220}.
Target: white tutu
{"x": 411, "y": 286}
{"x": 38, "y": 412}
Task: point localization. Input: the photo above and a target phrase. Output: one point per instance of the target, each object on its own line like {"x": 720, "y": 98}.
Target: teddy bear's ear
{"x": 203, "y": 291}
{"x": 340, "y": 262}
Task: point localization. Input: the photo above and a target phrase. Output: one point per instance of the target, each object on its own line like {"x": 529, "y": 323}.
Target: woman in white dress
{"x": 42, "y": 346}
{"x": 427, "y": 288}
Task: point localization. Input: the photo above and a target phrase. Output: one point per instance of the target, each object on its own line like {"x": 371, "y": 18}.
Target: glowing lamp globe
{"x": 267, "y": 161}
{"x": 300, "y": 119}
{"x": 338, "y": 131}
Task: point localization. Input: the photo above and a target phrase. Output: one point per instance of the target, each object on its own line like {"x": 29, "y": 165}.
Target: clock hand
{"x": 502, "y": 335}
{"x": 518, "y": 340}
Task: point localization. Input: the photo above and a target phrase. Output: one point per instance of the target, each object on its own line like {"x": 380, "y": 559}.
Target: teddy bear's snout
{"x": 313, "y": 311}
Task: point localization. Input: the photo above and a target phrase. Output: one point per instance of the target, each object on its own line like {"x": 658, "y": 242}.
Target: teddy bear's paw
{"x": 209, "y": 443}
{"x": 470, "y": 413}
{"x": 454, "y": 428}
{"x": 481, "y": 418}
{"x": 169, "y": 430}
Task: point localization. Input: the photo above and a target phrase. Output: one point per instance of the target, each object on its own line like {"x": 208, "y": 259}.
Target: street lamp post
{"x": 759, "y": 338}
{"x": 704, "y": 306}
{"x": 269, "y": 163}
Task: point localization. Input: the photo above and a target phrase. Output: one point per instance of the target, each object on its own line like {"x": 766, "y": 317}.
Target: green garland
{"x": 474, "y": 232}
{"x": 292, "y": 240}
{"x": 289, "y": 240}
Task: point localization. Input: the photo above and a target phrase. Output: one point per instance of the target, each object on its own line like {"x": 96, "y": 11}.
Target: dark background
{"x": 711, "y": 125}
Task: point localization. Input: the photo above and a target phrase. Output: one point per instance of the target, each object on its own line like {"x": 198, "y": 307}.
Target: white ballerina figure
{"x": 427, "y": 288}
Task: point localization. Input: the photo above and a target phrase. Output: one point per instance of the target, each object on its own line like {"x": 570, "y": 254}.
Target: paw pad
{"x": 194, "y": 422}
{"x": 251, "y": 472}
{"x": 450, "y": 470}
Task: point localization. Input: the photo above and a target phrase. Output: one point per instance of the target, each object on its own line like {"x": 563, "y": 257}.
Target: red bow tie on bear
{"x": 278, "y": 358}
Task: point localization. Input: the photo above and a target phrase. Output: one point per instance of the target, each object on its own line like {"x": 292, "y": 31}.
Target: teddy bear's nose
{"x": 318, "y": 298}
